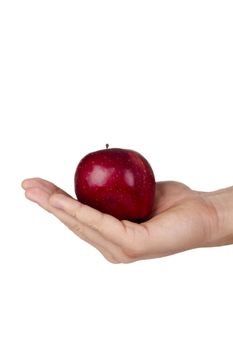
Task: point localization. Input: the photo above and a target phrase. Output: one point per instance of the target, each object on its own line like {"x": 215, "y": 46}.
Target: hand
{"x": 182, "y": 219}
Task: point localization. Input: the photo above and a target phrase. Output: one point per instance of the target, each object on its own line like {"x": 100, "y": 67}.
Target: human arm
{"x": 222, "y": 201}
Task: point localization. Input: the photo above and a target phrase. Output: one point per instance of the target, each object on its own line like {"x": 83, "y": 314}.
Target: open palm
{"x": 182, "y": 219}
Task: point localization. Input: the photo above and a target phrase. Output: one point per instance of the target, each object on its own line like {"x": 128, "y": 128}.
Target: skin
{"x": 182, "y": 219}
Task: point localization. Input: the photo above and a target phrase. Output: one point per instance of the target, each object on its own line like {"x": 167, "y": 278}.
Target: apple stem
{"x": 107, "y": 145}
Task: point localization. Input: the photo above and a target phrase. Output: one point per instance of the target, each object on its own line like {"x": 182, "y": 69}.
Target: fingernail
{"x": 24, "y": 184}
{"x": 27, "y": 183}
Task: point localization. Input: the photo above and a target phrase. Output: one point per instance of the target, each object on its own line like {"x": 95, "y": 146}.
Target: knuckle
{"x": 112, "y": 260}
{"x": 135, "y": 246}
{"x": 109, "y": 257}
{"x": 117, "y": 257}
{"x": 94, "y": 227}
{"x": 121, "y": 259}
{"x": 77, "y": 228}
{"x": 97, "y": 224}
{"x": 125, "y": 259}
{"x": 132, "y": 252}
{"x": 77, "y": 213}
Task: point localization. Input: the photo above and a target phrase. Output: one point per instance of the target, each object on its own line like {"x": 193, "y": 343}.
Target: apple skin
{"x": 116, "y": 181}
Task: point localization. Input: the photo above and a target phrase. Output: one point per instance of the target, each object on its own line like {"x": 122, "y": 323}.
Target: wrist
{"x": 222, "y": 203}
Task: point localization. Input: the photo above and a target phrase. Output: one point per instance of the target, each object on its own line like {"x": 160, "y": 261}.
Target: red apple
{"x": 116, "y": 181}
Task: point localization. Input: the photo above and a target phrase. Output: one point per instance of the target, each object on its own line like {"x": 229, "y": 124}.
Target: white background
{"x": 154, "y": 76}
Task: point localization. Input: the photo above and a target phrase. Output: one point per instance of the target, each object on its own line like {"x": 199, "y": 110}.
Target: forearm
{"x": 222, "y": 202}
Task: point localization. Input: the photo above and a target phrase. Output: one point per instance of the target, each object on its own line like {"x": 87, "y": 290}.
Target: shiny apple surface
{"x": 118, "y": 182}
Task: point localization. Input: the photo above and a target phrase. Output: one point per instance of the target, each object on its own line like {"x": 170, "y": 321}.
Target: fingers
{"x": 45, "y": 185}
{"x": 42, "y": 193}
{"x": 37, "y": 182}
{"x": 107, "y": 226}
{"x": 51, "y": 197}
{"x": 124, "y": 240}
{"x": 177, "y": 227}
